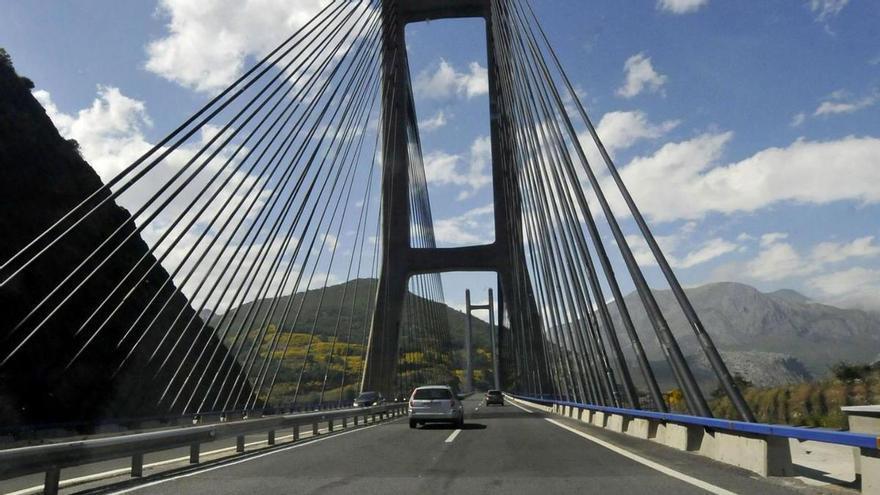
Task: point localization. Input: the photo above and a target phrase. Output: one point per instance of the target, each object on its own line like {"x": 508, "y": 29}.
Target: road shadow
{"x": 450, "y": 426}
{"x": 500, "y": 414}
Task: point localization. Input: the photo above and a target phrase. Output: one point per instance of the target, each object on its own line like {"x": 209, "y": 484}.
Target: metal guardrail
{"x": 861, "y": 440}
{"x": 51, "y": 458}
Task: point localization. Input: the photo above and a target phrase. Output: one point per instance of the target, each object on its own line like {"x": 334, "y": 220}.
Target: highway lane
{"x": 116, "y": 470}
{"x": 500, "y": 450}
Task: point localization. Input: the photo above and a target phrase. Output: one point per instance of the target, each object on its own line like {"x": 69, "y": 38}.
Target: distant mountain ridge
{"x": 770, "y": 339}
{"x": 743, "y": 321}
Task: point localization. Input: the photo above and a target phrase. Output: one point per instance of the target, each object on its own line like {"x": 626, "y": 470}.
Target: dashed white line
{"x": 646, "y": 462}
{"x": 451, "y": 437}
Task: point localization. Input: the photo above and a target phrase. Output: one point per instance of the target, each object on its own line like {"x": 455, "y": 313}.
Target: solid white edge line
{"x": 511, "y": 402}
{"x": 451, "y": 437}
{"x": 121, "y": 471}
{"x": 646, "y": 462}
{"x": 248, "y": 459}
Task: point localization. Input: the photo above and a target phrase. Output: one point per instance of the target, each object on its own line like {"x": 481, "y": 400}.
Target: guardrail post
{"x": 355, "y": 419}
{"x": 271, "y": 439}
{"x": 329, "y": 425}
{"x": 137, "y": 465}
{"x": 374, "y": 417}
{"x": 315, "y": 428}
{"x": 194, "y": 453}
{"x": 239, "y": 444}
{"x": 344, "y": 422}
{"x": 295, "y": 433}
{"x": 53, "y": 477}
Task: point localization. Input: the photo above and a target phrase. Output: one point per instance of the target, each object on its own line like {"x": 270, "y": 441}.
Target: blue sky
{"x": 749, "y": 132}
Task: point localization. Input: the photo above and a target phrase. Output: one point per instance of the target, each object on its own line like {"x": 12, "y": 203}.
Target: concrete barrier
{"x": 598, "y": 419}
{"x": 615, "y": 423}
{"x": 677, "y": 436}
{"x": 764, "y": 455}
{"x": 638, "y": 427}
{"x": 870, "y": 466}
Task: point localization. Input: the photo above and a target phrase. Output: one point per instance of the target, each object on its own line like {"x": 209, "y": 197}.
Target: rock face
{"x": 742, "y": 320}
{"x": 42, "y": 177}
{"x": 762, "y": 369}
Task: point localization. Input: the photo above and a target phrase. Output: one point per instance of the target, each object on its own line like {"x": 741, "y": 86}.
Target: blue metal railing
{"x": 861, "y": 440}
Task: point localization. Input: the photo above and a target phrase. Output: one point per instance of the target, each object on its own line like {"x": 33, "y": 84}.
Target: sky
{"x": 748, "y": 132}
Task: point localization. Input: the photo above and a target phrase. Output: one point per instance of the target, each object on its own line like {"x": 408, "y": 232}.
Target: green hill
{"x": 347, "y": 353}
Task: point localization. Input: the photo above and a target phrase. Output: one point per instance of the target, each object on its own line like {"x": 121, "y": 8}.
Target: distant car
{"x": 367, "y": 399}
{"x": 433, "y": 404}
{"x": 494, "y": 397}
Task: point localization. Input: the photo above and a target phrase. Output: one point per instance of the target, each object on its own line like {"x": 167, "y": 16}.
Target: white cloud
{"x": 681, "y": 6}
{"x": 798, "y": 119}
{"x": 856, "y": 287}
{"x": 433, "y": 123}
{"x": 684, "y": 180}
{"x": 208, "y": 43}
{"x": 825, "y": 9}
{"x": 445, "y": 81}
{"x": 833, "y": 252}
{"x": 620, "y": 130}
{"x": 475, "y": 226}
{"x": 711, "y": 249}
{"x": 839, "y": 102}
{"x": 110, "y": 132}
{"x": 772, "y": 238}
{"x": 778, "y": 259}
{"x": 703, "y": 252}
{"x": 449, "y": 169}
{"x": 640, "y": 75}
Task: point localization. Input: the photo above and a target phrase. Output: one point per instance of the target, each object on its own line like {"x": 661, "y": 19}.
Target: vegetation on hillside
{"x": 815, "y": 403}
{"x": 335, "y": 322}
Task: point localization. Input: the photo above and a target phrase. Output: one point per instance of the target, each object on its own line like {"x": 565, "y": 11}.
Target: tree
{"x": 740, "y": 382}
{"x": 848, "y": 372}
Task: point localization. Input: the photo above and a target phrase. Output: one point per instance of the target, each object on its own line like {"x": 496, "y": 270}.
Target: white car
{"x": 435, "y": 403}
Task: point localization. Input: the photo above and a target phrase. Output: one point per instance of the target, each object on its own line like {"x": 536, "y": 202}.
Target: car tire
{"x": 412, "y": 423}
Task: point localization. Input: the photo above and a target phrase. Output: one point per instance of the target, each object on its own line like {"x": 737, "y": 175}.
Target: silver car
{"x": 435, "y": 403}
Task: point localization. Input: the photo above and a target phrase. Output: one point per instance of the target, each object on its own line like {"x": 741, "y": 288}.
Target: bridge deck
{"x": 501, "y": 450}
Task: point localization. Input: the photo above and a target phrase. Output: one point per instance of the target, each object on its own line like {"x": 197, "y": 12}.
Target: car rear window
{"x": 432, "y": 394}
{"x": 494, "y": 392}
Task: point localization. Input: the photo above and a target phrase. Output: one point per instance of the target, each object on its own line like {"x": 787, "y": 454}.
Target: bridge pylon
{"x": 400, "y": 260}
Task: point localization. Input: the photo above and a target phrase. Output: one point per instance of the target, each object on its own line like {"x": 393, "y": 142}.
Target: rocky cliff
{"x": 42, "y": 176}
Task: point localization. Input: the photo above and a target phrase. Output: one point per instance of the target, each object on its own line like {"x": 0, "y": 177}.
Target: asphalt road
{"x": 500, "y": 450}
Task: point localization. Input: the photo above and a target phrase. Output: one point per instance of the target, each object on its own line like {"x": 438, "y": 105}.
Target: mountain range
{"x": 770, "y": 338}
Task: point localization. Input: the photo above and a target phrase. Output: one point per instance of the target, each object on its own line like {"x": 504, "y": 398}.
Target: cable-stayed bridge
{"x": 187, "y": 301}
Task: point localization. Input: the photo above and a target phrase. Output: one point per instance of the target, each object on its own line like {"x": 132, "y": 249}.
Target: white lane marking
{"x": 117, "y": 472}
{"x": 451, "y": 437}
{"x": 248, "y": 459}
{"x": 649, "y": 463}
{"x": 519, "y": 406}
